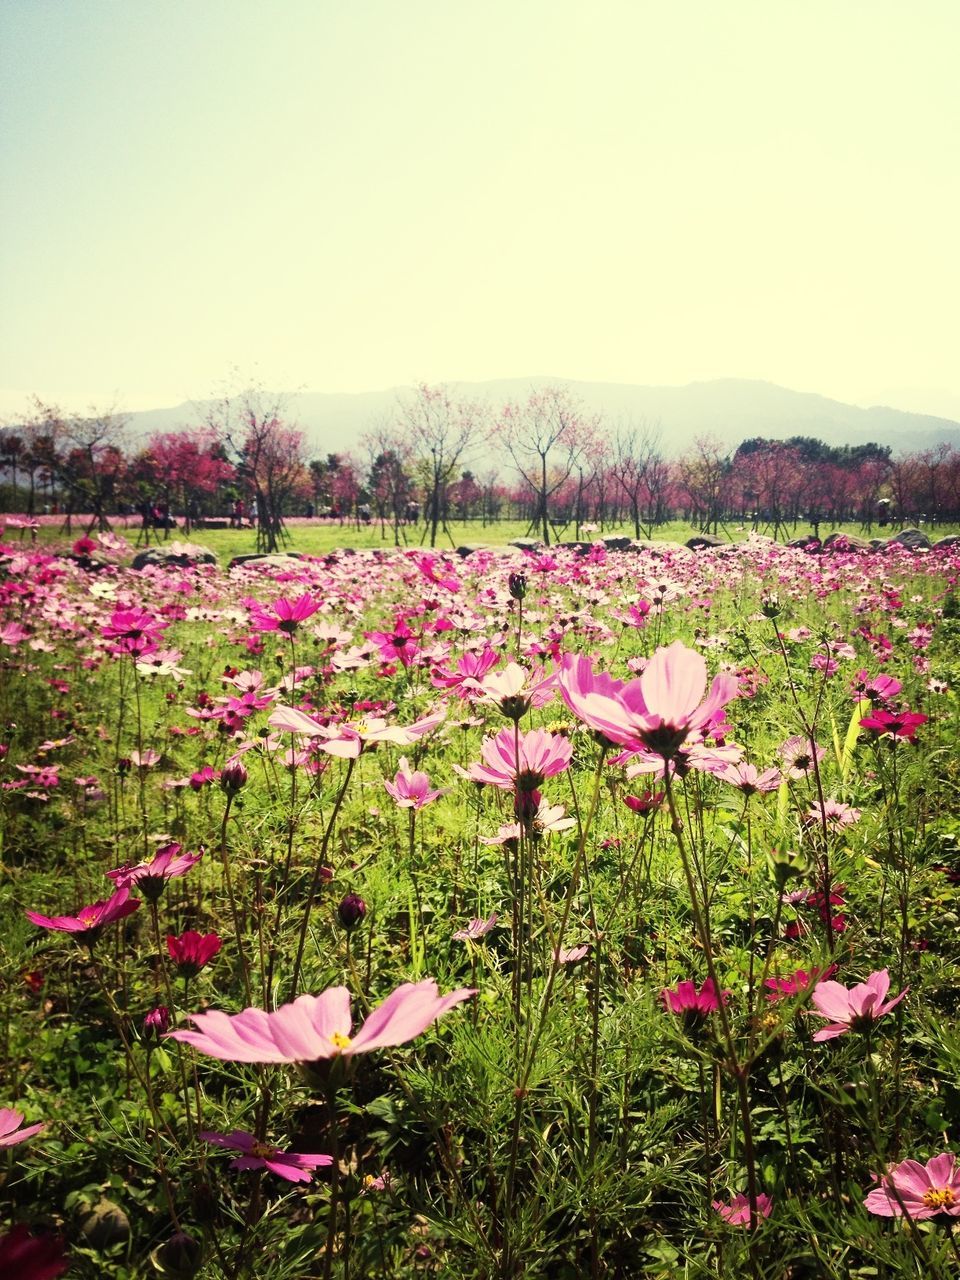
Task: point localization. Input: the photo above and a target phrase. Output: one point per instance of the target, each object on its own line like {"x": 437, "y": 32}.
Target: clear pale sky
{"x": 347, "y": 196}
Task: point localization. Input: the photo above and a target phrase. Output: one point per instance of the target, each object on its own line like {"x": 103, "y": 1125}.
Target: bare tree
{"x": 442, "y": 432}
{"x": 641, "y": 473}
{"x": 269, "y": 455}
{"x": 545, "y": 438}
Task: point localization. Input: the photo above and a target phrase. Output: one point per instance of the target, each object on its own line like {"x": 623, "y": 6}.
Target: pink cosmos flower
{"x": 900, "y": 724}
{"x": 469, "y": 672}
{"x": 855, "y": 1008}
{"x": 835, "y": 813}
{"x": 284, "y": 615}
{"x": 348, "y": 740}
{"x": 520, "y": 761}
{"x": 737, "y": 1212}
{"x": 89, "y": 921}
{"x": 477, "y": 928}
{"x": 656, "y": 711}
{"x": 693, "y": 1005}
{"x": 515, "y": 691}
{"x": 10, "y": 1130}
{"x": 748, "y": 779}
{"x": 132, "y": 631}
{"x": 798, "y": 983}
{"x": 411, "y": 790}
{"x": 151, "y": 877}
{"x": 570, "y": 955}
{"x": 922, "y": 1191}
{"x": 398, "y": 645}
{"x": 192, "y": 951}
{"x": 294, "y": 1166}
{"x": 798, "y": 754}
{"x": 313, "y": 1028}
{"x": 29, "y": 1257}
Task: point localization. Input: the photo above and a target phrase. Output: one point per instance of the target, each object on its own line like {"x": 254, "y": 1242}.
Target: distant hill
{"x": 731, "y": 409}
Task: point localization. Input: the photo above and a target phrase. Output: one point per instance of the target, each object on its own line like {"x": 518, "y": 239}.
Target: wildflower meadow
{"x": 568, "y": 912}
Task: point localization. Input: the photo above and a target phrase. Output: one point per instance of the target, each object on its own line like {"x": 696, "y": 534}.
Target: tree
{"x": 641, "y": 473}
{"x": 389, "y": 483}
{"x": 269, "y": 455}
{"x": 442, "y": 432}
{"x": 84, "y": 455}
{"x": 189, "y": 467}
{"x": 545, "y": 438}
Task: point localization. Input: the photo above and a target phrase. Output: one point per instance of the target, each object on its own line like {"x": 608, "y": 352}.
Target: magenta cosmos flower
{"x": 151, "y": 877}
{"x": 653, "y": 713}
{"x": 192, "y": 951}
{"x": 30, "y": 1257}
{"x": 477, "y": 928}
{"x": 900, "y": 724}
{"x": 855, "y": 1008}
{"x": 295, "y": 1166}
{"x": 920, "y": 1190}
{"x": 313, "y": 1028}
{"x": 737, "y": 1211}
{"x": 133, "y": 631}
{"x": 410, "y": 789}
{"x": 284, "y": 615}
{"x": 87, "y": 924}
{"x": 521, "y": 761}
{"x": 692, "y": 1005}
{"x": 10, "y": 1130}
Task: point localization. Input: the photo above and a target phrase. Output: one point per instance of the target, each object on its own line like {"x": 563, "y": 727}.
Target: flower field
{"x": 535, "y": 913}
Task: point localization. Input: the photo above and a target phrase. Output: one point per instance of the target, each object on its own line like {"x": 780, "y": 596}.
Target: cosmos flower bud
{"x": 786, "y": 865}
{"x": 351, "y": 910}
{"x": 156, "y": 1023}
{"x": 233, "y": 776}
{"x": 770, "y": 606}
{"x": 517, "y": 585}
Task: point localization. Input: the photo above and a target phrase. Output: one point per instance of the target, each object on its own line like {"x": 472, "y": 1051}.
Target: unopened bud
{"x": 517, "y": 585}
{"x": 233, "y": 776}
{"x": 351, "y": 910}
{"x": 156, "y": 1023}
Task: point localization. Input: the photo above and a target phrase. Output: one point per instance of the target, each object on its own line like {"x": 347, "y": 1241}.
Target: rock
{"x": 104, "y": 1225}
{"x": 950, "y": 540}
{"x": 86, "y": 563}
{"x": 912, "y": 539}
{"x": 845, "y": 542}
{"x": 169, "y": 554}
{"x": 474, "y": 548}
{"x": 527, "y": 544}
{"x": 581, "y": 548}
{"x": 259, "y": 560}
{"x": 706, "y": 542}
{"x": 619, "y": 544}
{"x": 807, "y": 542}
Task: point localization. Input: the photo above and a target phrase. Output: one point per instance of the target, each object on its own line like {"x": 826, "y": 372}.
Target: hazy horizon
{"x": 356, "y": 198}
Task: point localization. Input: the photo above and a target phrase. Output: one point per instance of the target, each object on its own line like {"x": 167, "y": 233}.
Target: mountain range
{"x": 730, "y": 409}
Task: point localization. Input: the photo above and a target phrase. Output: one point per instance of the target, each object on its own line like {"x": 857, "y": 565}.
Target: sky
{"x": 352, "y": 196}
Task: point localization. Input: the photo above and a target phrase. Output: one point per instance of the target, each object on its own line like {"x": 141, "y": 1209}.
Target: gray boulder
{"x": 705, "y": 542}
{"x": 950, "y": 540}
{"x": 258, "y": 560}
{"x": 839, "y": 542}
{"x": 167, "y": 555}
{"x": 912, "y": 539}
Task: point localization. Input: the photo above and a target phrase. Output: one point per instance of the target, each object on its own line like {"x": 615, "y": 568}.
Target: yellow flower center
{"x": 940, "y": 1198}
{"x": 340, "y": 1040}
{"x": 263, "y": 1150}
{"x": 359, "y": 725}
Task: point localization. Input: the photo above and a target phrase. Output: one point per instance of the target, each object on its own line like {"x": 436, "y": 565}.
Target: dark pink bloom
{"x": 521, "y": 761}
{"x": 10, "y": 1131}
{"x": 27, "y": 1257}
{"x": 87, "y": 924}
{"x": 294, "y": 1166}
{"x": 151, "y": 877}
{"x": 854, "y": 1008}
{"x": 313, "y": 1028}
{"x": 411, "y": 790}
{"x": 470, "y": 671}
{"x": 737, "y": 1211}
{"x": 477, "y": 928}
{"x": 133, "y": 631}
{"x": 653, "y": 713}
{"x": 156, "y": 1022}
{"x": 284, "y": 615}
{"x": 649, "y": 802}
{"x": 693, "y": 1005}
{"x": 192, "y": 951}
{"x": 798, "y": 983}
{"x": 398, "y": 645}
{"x": 920, "y": 1191}
{"x": 900, "y": 724}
